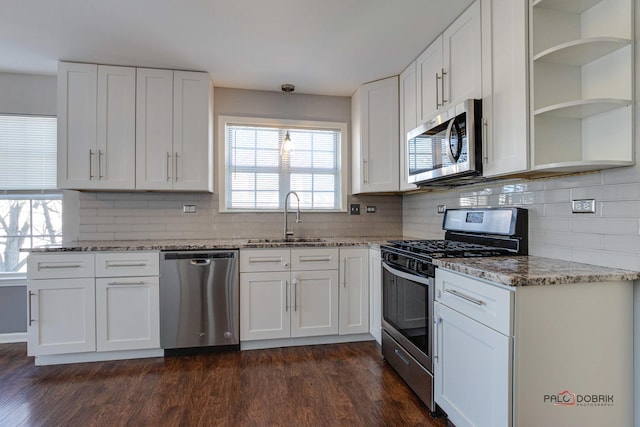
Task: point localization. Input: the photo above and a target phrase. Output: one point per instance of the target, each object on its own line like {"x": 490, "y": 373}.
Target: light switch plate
{"x": 371, "y": 209}
{"x": 441, "y": 208}
{"x": 355, "y": 209}
{"x": 583, "y": 206}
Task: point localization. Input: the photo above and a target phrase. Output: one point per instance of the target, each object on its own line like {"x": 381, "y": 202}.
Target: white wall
{"x": 27, "y": 94}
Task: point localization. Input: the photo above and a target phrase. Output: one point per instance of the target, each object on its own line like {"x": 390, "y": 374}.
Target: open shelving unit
{"x": 582, "y": 65}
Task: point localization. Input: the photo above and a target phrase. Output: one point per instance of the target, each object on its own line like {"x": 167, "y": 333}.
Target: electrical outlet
{"x": 189, "y": 208}
{"x": 355, "y": 209}
{"x": 371, "y": 209}
{"x": 584, "y": 206}
{"x": 441, "y": 208}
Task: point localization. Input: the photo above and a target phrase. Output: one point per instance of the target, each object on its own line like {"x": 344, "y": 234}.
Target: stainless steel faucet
{"x": 288, "y": 233}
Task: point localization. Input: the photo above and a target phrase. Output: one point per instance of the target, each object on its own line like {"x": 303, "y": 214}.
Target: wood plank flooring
{"x": 328, "y": 385}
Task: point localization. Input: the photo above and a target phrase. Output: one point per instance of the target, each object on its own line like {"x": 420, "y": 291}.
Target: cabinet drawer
{"x": 265, "y": 260}
{"x": 315, "y": 259}
{"x": 477, "y": 299}
{"x": 121, "y": 264}
{"x": 59, "y": 266}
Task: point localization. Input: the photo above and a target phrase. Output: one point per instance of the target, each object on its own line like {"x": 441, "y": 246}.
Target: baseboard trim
{"x": 291, "y": 342}
{"x": 13, "y": 337}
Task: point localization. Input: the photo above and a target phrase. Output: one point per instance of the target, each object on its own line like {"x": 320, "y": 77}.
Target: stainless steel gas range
{"x": 408, "y": 284}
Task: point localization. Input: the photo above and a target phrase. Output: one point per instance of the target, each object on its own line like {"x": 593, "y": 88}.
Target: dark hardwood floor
{"x": 328, "y": 385}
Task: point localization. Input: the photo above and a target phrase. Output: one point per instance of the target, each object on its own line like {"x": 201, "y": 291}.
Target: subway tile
{"x": 113, "y": 228}
{"x": 97, "y": 220}
{"x": 627, "y": 209}
{"x": 607, "y": 258}
{"x": 622, "y": 175}
{"x": 581, "y": 240}
{"x": 96, "y": 204}
{"x": 113, "y": 196}
{"x": 124, "y": 204}
{"x": 97, "y": 236}
{"x": 133, "y": 236}
{"x": 572, "y": 181}
{"x": 605, "y": 226}
{"x": 627, "y": 244}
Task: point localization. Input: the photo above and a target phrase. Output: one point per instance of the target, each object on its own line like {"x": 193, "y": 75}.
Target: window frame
{"x": 341, "y": 161}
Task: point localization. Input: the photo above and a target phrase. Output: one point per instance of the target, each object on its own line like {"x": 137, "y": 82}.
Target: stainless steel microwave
{"x": 447, "y": 147}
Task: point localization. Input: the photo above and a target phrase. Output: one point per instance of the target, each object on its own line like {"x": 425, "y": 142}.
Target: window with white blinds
{"x": 30, "y": 206}
{"x": 27, "y": 152}
{"x": 259, "y": 173}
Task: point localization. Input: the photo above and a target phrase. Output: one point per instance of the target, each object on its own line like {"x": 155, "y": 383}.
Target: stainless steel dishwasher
{"x": 199, "y": 301}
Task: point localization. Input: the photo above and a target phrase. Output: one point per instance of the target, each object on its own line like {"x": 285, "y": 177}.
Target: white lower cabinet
{"x": 305, "y": 292}
{"x": 61, "y": 316}
{"x": 472, "y": 371}
{"x": 532, "y": 356}
{"x": 127, "y": 313}
{"x": 354, "y": 290}
{"x": 82, "y": 303}
{"x": 375, "y": 294}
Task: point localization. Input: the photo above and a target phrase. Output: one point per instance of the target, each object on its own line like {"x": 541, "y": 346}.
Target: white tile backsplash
{"x": 127, "y": 216}
{"x": 609, "y": 237}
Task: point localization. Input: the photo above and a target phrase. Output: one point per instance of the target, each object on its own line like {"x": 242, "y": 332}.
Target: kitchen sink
{"x": 291, "y": 240}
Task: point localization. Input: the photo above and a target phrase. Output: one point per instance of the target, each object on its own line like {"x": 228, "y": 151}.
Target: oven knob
{"x": 411, "y": 264}
{"x": 419, "y": 266}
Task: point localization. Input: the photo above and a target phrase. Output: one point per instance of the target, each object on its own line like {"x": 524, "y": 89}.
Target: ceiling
{"x": 327, "y": 47}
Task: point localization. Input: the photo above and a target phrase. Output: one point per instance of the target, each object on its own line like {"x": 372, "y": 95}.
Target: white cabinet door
{"x": 375, "y": 142}
{"x": 375, "y": 294}
{"x": 462, "y": 57}
{"x": 430, "y": 85}
{"x": 504, "y": 87}
{"x": 61, "y": 316}
{"x": 314, "y": 297}
{"x": 77, "y": 125}
{"x": 192, "y": 135}
{"x": 154, "y": 129}
{"x": 116, "y": 112}
{"x": 354, "y": 291}
{"x": 471, "y": 371}
{"x": 127, "y": 313}
{"x": 265, "y": 306}
{"x": 408, "y": 119}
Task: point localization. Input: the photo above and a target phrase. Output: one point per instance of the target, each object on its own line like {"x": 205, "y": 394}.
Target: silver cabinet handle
{"x": 401, "y": 357}
{"x": 176, "y": 169}
{"x": 168, "y": 166}
{"x": 91, "y": 153}
{"x": 286, "y": 295}
{"x": 485, "y": 132}
{"x": 344, "y": 275}
{"x": 137, "y": 264}
{"x": 100, "y": 176}
{"x": 295, "y": 293}
{"x": 438, "y": 105}
{"x": 266, "y": 260}
{"x": 54, "y": 266}
{"x": 442, "y": 82}
{"x": 312, "y": 259}
{"x": 140, "y": 283}
{"x": 31, "y": 320}
{"x": 465, "y": 297}
{"x": 365, "y": 170}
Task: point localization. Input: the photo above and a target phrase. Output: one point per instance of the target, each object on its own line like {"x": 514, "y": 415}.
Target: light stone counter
{"x": 205, "y": 244}
{"x": 534, "y": 271}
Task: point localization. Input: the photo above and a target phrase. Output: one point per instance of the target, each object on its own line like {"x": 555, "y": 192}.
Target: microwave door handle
{"x": 447, "y": 138}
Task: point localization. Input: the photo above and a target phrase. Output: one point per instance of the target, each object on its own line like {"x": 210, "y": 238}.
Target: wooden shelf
{"x": 581, "y": 52}
{"x": 571, "y": 6}
{"x": 582, "y": 108}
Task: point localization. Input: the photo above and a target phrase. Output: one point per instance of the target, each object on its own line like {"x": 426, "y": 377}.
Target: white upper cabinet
{"x": 449, "y": 70}
{"x": 581, "y": 71}
{"x": 505, "y": 136}
{"x": 429, "y": 68}
{"x": 462, "y": 58}
{"x": 96, "y": 126}
{"x": 408, "y": 119}
{"x": 375, "y": 131}
{"x": 174, "y": 144}
{"x": 126, "y": 128}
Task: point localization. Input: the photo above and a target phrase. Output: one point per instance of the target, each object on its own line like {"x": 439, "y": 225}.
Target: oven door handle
{"x": 407, "y": 276}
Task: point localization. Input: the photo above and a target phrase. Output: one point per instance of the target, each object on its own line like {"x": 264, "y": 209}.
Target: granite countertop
{"x": 534, "y": 271}
{"x": 207, "y": 244}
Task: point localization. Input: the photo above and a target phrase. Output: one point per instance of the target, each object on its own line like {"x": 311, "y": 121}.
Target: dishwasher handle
{"x": 198, "y": 256}
{"x": 200, "y": 261}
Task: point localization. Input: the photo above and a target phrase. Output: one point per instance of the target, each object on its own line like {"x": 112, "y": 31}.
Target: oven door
{"x": 407, "y": 311}
{"x": 445, "y": 146}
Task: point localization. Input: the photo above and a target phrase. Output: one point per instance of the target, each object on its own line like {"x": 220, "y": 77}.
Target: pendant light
{"x": 287, "y": 145}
